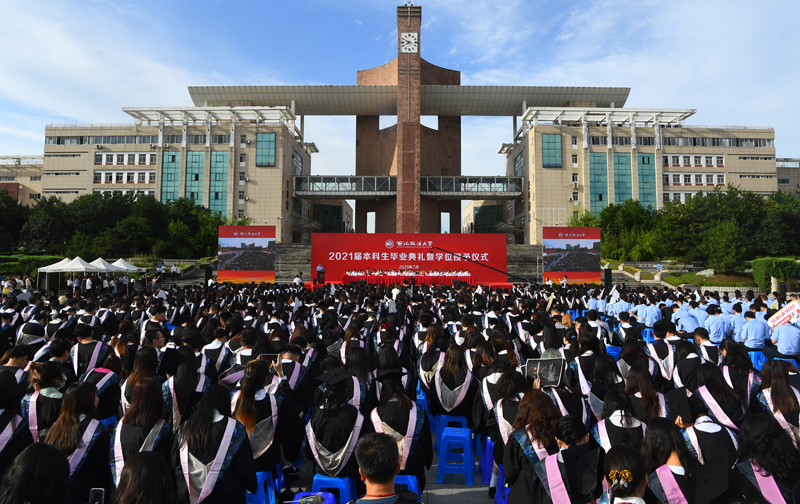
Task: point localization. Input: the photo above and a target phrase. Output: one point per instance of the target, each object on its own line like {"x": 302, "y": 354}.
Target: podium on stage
{"x": 321, "y": 277}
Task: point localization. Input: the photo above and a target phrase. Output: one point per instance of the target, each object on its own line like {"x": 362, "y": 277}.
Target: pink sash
{"x": 408, "y": 438}
{"x": 778, "y": 415}
{"x": 602, "y": 433}
{"x": 295, "y": 374}
{"x": 176, "y": 414}
{"x": 487, "y": 397}
{"x": 690, "y": 432}
{"x": 502, "y": 422}
{"x": 79, "y": 452}
{"x": 769, "y": 489}
{"x": 716, "y": 409}
{"x": 33, "y": 421}
{"x": 585, "y": 387}
{"x": 726, "y": 373}
{"x": 676, "y": 377}
{"x": 110, "y": 374}
{"x": 670, "y": 486}
{"x": 12, "y": 425}
{"x": 662, "y": 405}
{"x": 356, "y": 393}
{"x": 220, "y": 358}
{"x": 558, "y": 491}
{"x": 92, "y": 360}
{"x": 213, "y": 474}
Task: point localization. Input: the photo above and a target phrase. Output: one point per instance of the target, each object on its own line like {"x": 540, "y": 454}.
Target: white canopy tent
{"x": 107, "y": 267}
{"x": 53, "y": 268}
{"x": 78, "y": 265}
{"x": 122, "y": 263}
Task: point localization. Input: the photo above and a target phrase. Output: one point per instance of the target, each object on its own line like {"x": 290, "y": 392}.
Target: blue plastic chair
{"x": 613, "y": 351}
{"x": 109, "y": 422}
{"x": 410, "y": 481}
{"x": 501, "y": 497}
{"x": 444, "y": 421}
{"x": 345, "y": 486}
{"x": 456, "y": 463}
{"x": 265, "y": 492}
{"x": 329, "y": 497}
{"x": 647, "y": 334}
{"x": 487, "y": 461}
{"x": 758, "y": 359}
{"x": 794, "y": 362}
{"x": 280, "y": 482}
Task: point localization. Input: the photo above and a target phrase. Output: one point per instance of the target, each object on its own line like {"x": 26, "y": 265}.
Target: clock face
{"x": 408, "y": 42}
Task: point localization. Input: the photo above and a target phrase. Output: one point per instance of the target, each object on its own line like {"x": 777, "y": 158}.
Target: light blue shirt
{"x": 754, "y": 333}
{"x": 737, "y": 321}
{"x": 727, "y": 308}
{"x": 621, "y": 306}
{"x": 717, "y": 328}
{"x": 638, "y": 311}
{"x": 651, "y": 315}
{"x": 682, "y": 309}
{"x": 700, "y": 314}
{"x": 592, "y": 304}
{"x": 787, "y": 338}
{"x": 687, "y": 323}
{"x": 760, "y": 315}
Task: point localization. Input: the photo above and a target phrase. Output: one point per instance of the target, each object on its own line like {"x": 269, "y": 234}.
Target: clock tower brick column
{"x": 408, "y": 120}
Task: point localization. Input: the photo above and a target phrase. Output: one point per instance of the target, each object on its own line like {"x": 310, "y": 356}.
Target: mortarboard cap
{"x": 396, "y": 373}
{"x": 335, "y": 377}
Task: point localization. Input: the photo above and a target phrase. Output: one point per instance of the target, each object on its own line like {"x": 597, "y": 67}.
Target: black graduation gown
{"x": 109, "y": 399}
{"x": 304, "y": 389}
{"x": 95, "y": 471}
{"x": 510, "y": 409}
{"x": 421, "y": 456}
{"x": 464, "y": 408}
{"x": 687, "y": 371}
{"x": 269, "y": 459}
{"x": 638, "y": 411}
{"x": 427, "y": 362}
{"x": 238, "y": 478}
{"x": 211, "y": 369}
{"x": 520, "y": 474}
{"x": 710, "y": 444}
{"x": 581, "y": 471}
{"x": 47, "y": 411}
{"x": 20, "y": 439}
{"x": 85, "y": 351}
{"x": 133, "y": 437}
{"x": 633, "y": 436}
{"x": 332, "y": 431}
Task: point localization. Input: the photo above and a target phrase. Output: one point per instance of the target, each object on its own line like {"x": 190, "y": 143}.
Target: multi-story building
{"x": 583, "y": 157}
{"x": 234, "y": 160}
{"x": 482, "y": 216}
{"x": 21, "y": 178}
{"x": 788, "y": 171}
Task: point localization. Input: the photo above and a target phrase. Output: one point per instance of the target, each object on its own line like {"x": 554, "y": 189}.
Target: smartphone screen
{"x": 97, "y": 496}
{"x": 269, "y": 357}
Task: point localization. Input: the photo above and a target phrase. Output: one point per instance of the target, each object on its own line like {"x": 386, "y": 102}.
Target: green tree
{"x": 725, "y": 246}
{"x": 14, "y": 218}
{"x": 49, "y": 227}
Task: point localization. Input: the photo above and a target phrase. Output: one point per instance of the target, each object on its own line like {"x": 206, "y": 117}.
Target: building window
{"x": 698, "y": 179}
{"x": 599, "y": 140}
{"x": 666, "y": 197}
{"x": 141, "y": 177}
{"x": 676, "y": 180}
{"x": 574, "y": 196}
{"x": 109, "y": 158}
{"x": 98, "y": 177}
{"x": 152, "y": 159}
{"x": 574, "y": 177}
{"x": 574, "y": 140}
{"x": 710, "y": 179}
{"x": 241, "y": 214}
{"x": 241, "y": 196}
{"x": 551, "y": 151}
{"x": 719, "y": 161}
{"x": 676, "y": 160}
{"x": 687, "y": 161}
{"x": 98, "y": 159}
{"x": 36, "y": 179}
{"x": 142, "y": 158}
{"x": 687, "y": 179}
{"x": 646, "y": 140}
{"x": 131, "y": 158}
{"x": 242, "y": 176}
{"x": 698, "y": 160}
{"x": 709, "y": 161}
{"x": 243, "y": 139}
{"x": 666, "y": 160}
{"x": 109, "y": 178}
{"x": 265, "y": 149}
{"x": 721, "y": 180}
{"x": 574, "y": 159}
{"x": 782, "y": 181}
{"x": 130, "y": 177}
{"x": 519, "y": 163}
{"x": 34, "y": 196}
{"x": 120, "y": 158}
{"x": 297, "y": 164}
{"x": 665, "y": 179}
{"x": 621, "y": 140}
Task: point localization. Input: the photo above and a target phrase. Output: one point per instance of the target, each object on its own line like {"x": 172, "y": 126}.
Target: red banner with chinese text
{"x": 340, "y": 253}
{"x": 573, "y": 252}
{"x": 246, "y": 254}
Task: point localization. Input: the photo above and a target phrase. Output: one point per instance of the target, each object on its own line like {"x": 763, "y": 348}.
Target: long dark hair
{"x": 454, "y": 363}
{"x": 606, "y": 370}
{"x": 388, "y": 358}
{"x": 617, "y": 400}
{"x": 619, "y": 459}
{"x": 501, "y": 342}
{"x": 358, "y": 362}
{"x": 256, "y": 374}
{"x": 484, "y": 354}
{"x": 46, "y": 374}
{"x": 392, "y": 388}
{"x": 39, "y": 475}
{"x": 762, "y": 438}
{"x": 663, "y": 437}
{"x": 145, "y": 364}
{"x": 640, "y": 380}
{"x": 710, "y": 376}
{"x": 147, "y": 405}
{"x": 196, "y": 434}
{"x": 65, "y": 434}
{"x": 185, "y": 378}
{"x": 145, "y": 479}
{"x": 776, "y": 378}
{"x": 510, "y": 384}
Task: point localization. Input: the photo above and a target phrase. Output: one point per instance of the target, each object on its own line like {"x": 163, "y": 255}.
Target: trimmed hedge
{"x": 27, "y": 265}
{"x": 783, "y": 268}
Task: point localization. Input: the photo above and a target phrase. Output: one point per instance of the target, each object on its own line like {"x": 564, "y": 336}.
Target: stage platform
{"x": 523, "y": 261}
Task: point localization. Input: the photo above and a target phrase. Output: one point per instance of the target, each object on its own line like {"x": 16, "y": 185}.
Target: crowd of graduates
{"x": 184, "y": 394}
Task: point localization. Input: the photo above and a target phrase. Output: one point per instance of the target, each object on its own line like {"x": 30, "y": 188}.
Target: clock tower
{"x": 408, "y": 150}
{"x": 408, "y": 115}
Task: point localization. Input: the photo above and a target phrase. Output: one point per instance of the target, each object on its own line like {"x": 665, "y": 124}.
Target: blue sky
{"x": 70, "y": 60}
